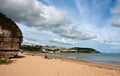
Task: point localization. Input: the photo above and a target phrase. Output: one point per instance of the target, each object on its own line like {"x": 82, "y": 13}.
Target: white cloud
{"x": 73, "y": 32}
{"x": 90, "y": 8}
{"x": 30, "y": 41}
{"x": 33, "y": 13}
{"x": 108, "y": 35}
{"x": 105, "y": 33}
{"x": 116, "y": 22}
{"x": 116, "y": 12}
{"x": 116, "y": 9}
{"x": 29, "y": 35}
{"x": 55, "y": 22}
{"x": 63, "y": 41}
{"x": 87, "y": 36}
{"x": 80, "y": 7}
{"x": 67, "y": 31}
{"x": 42, "y": 16}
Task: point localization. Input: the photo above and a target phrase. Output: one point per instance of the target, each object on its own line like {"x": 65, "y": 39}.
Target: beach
{"x": 28, "y": 65}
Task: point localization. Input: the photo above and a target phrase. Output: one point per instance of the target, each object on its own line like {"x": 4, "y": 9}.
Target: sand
{"x": 38, "y": 66}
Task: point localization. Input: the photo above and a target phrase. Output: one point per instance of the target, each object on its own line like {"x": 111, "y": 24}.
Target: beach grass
{"x": 5, "y": 61}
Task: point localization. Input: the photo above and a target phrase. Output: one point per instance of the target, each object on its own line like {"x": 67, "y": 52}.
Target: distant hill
{"x": 54, "y": 49}
{"x": 84, "y": 50}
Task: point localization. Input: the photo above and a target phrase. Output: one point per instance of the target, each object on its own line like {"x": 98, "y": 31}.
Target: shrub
{"x": 5, "y": 61}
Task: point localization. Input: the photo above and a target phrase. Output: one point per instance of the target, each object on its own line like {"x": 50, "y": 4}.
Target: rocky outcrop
{"x": 10, "y": 34}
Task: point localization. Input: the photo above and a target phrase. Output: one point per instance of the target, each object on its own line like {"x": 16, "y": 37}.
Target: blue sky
{"x": 67, "y": 23}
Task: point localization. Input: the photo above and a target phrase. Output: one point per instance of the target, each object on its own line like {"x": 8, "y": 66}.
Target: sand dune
{"x": 38, "y": 66}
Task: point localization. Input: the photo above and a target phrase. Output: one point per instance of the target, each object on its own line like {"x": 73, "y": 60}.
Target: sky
{"x": 67, "y": 23}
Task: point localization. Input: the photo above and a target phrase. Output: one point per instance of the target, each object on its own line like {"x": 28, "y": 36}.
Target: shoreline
{"x": 82, "y": 58}
{"x": 37, "y": 65}
{"x": 88, "y": 63}
{"x": 84, "y": 62}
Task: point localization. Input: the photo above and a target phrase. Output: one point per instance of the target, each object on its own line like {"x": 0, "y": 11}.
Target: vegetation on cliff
{"x": 31, "y": 48}
{"x": 8, "y": 24}
{"x": 84, "y": 50}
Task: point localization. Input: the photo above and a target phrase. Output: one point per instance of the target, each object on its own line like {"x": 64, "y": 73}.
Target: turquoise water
{"x": 102, "y": 58}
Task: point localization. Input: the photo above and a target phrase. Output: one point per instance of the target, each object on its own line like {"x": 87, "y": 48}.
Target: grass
{"x": 5, "y": 61}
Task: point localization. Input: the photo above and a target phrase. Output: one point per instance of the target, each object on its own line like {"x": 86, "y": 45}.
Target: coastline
{"x": 100, "y": 58}
{"x": 34, "y": 65}
{"x": 81, "y": 61}
{"x": 88, "y": 63}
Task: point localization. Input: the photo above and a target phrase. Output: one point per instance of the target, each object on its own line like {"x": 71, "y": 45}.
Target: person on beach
{"x": 46, "y": 57}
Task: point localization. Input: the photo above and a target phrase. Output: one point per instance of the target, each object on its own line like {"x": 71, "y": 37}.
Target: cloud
{"x": 92, "y": 19}
{"x": 116, "y": 12}
{"x": 116, "y": 9}
{"x": 112, "y": 42}
{"x": 73, "y": 32}
{"x": 79, "y": 6}
{"x": 116, "y": 22}
{"x": 63, "y": 41}
{"x": 67, "y": 31}
{"x": 87, "y": 36}
{"x": 42, "y": 16}
{"x": 109, "y": 36}
{"x": 90, "y": 10}
{"x": 33, "y": 13}
{"x": 31, "y": 36}
{"x": 48, "y": 2}
{"x": 30, "y": 41}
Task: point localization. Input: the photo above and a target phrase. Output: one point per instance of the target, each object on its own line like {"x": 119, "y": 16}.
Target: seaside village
{"x": 54, "y": 49}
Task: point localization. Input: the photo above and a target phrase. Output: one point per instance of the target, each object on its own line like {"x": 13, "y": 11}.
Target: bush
{"x": 5, "y": 61}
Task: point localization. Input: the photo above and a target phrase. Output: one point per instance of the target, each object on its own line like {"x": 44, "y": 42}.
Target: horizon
{"x": 74, "y": 23}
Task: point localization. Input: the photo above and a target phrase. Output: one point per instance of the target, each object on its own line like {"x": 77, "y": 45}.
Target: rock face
{"x": 10, "y": 34}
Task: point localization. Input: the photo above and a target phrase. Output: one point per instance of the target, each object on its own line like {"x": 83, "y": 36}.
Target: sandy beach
{"x": 29, "y": 65}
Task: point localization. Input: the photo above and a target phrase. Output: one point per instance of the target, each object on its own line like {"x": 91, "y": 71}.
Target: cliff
{"x": 10, "y": 34}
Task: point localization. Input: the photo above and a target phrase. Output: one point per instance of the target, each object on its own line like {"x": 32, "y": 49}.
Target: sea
{"x": 101, "y": 58}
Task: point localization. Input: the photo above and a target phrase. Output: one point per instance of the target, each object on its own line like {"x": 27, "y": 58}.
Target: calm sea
{"x": 102, "y": 58}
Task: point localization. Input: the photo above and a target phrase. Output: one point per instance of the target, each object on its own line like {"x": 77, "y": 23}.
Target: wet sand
{"x": 29, "y": 65}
